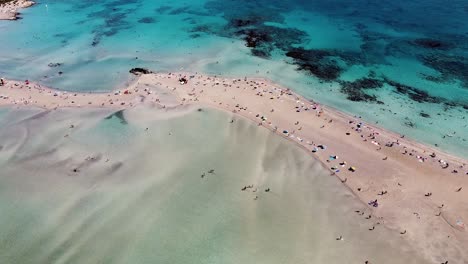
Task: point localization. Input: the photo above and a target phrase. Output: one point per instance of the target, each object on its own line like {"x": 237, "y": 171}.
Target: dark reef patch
{"x": 320, "y": 63}
{"x": 451, "y": 67}
{"x": 179, "y": 10}
{"x": 118, "y": 3}
{"x": 147, "y": 20}
{"x": 162, "y": 9}
{"x": 113, "y": 14}
{"x": 436, "y": 79}
{"x": 238, "y": 23}
{"x": 246, "y": 21}
{"x": 207, "y": 28}
{"x": 431, "y": 43}
{"x": 120, "y": 115}
{"x": 356, "y": 90}
{"x": 255, "y": 38}
{"x": 373, "y": 48}
{"x": 260, "y": 53}
{"x": 260, "y": 38}
{"x": 263, "y": 10}
{"x": 264, "y": 39}
{"x": 413, "y": 93}
{"x": 409, "y": 123}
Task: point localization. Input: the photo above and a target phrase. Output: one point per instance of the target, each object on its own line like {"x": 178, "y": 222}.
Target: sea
{"x": 151, "y": 186}
{"x": 401, "y": 64}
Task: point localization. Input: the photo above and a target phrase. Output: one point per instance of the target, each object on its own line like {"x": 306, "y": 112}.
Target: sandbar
{"x": 413, "y": 189}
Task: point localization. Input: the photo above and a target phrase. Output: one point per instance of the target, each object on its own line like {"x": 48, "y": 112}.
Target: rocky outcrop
{"x": 139, "y": 71}
{"x": 9, "y": 10}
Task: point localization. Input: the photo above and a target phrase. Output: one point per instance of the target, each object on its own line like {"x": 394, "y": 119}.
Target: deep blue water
{"x": 403, "y": 64}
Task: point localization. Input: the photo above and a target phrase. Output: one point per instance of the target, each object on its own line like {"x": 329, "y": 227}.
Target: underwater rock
{"x": 138, "y": 71}
{"x": 54, "y": 64}
{"x": 425, "y": 115}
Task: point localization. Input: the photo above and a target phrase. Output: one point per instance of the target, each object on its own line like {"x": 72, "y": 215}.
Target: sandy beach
{"x": 415, "y": 190}
{"x": 10, "y": 10}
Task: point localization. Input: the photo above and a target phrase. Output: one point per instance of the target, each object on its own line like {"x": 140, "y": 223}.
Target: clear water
{"x": 141, "y": 198}
{"x": 419, "y": 44}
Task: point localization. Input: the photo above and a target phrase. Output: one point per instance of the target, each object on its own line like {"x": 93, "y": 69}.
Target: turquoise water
{"x": 138, "y": 196}
{"x": 411, "y": 57}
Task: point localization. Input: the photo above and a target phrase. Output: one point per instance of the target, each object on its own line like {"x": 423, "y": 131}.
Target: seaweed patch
{"x": 320, "y": 63}
{"x": 356, "y": 90}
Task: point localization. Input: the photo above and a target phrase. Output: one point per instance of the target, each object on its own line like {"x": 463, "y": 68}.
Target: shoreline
{"x": 10, "y": 10}
{"x": 402, "y": 174}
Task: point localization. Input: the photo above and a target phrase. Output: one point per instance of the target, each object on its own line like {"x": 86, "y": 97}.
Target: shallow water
{"x": 413, "y": 52}
{"x": 138, "y": 196}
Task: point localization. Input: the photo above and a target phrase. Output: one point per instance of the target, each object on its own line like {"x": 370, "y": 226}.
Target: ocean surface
{"x": 92, "y": 186}
{"x": 401, "y": 64}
